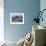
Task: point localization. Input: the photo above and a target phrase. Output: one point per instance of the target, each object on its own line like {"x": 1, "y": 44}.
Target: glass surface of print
{"x": 16, "y": 18}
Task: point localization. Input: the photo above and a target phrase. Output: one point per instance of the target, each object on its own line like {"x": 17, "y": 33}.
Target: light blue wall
{"x": 28, "y": 7}
{"x": 43, "y": 6}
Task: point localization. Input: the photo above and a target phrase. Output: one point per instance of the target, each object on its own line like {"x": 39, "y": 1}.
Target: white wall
{"x": 1, "y": 21}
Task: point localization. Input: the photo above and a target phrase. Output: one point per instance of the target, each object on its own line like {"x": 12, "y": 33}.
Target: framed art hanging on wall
{"x": 16, "y": 18}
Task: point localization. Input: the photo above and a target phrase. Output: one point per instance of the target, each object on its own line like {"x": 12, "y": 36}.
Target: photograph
{"x": 16, "y": 18}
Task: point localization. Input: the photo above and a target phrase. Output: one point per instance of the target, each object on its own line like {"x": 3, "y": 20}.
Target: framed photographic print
{"x": 16, "y": 18}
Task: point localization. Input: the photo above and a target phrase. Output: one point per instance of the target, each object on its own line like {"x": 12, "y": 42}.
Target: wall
{"x": 1, "y": 21}
{"x": 43, "y": 6}
{"x": 28, "y": 7}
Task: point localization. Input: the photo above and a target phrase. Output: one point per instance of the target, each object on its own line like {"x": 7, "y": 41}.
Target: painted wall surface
{"x": 1, "y": 21}
{"x": 43, "y": 6}
{"x": 29, "y": 8}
